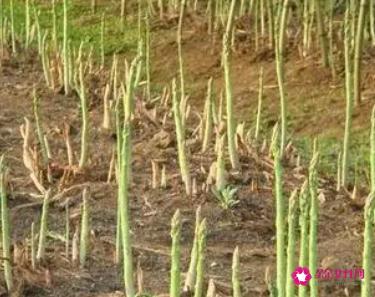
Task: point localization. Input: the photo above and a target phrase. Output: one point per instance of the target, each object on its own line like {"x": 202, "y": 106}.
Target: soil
{"x": 249, "y": 225}
{"x": 314, "y": 96}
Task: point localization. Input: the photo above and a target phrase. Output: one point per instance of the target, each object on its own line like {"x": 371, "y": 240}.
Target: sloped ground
{"x": 250, "y": 225}
{"x": 314, "y": 96}
{"x": 315, "y": 100}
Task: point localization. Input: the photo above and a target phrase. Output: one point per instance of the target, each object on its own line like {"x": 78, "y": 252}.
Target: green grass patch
{"x": 83, "y": 25}
{"x": 329, "y": 149}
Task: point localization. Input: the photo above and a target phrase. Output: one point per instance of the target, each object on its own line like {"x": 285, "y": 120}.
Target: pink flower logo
{"x": 301, "y": 276}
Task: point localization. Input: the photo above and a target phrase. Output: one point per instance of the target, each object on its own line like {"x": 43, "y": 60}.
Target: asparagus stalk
{"x": 292, "y": 222}
{"x": 175, "y": 288}
{"x": 13, "y": 34}
{"x": 231, "y": 123}
{"x": 372, "y": 21}
{"x": 306, "y": 14}
{"x": 39, "y": 129}
{"x": 211, "y": 290}
{"x": 191, "y": 274}
{"x": 256, "y": 24}
{"x": 163, "y": 177}
{"x": 262, "y": 20}
{"x": 67, "y": 230}
{"x": 102, "y": 28}
{"x": 43, "y": 227}
{"x": 32, "y": 244}
{"x": 45, "y": 61}
{"x": 313, "y": 184}
{"x": 369, "y": 216}
{"x": 27, "y": 23}
{"x": 48, "y": 149}
{"x": 184, "y": 166}
{"x": 85, "y": 229}
{"x": 155, "y": 174}
{"x": 106, "y": 124}
{"x": 125, "y": 212}
{"x": 280, "y": 221}
{"x": 75, "y": 249}
{"x": 119, "y": 132}
{"x": 148, "y": 57}
{"x": 304, "y": 206}
{"x": 124, "y": 182}
{"x": 349, "y": 93}
{"x": 236, "y": 274}
{"x": 271, "y": 23}
{"x": 85, "y": 119}
{"x": 201, "y": 247}
{"x": 65, "y": 48}
{"x": 366, "y": 286}
{"x": 331, "y": 39}
{"x": 118, "y": 237}
{"x": 208, "y": 118}
{"x": 358, "y": 50}
{"x": 220, "y": 166}
{"x": 6, "y": 240}
{"x": 38, "y": 29}
{"x": 54, "y": 26}
{"x": 372, "y": 150}
{"x": 181, "y": 63}
{"x": 322, "y": 32}
{"x": 338, "y": 174}
{"x": 260, "y": 100}
{"x": 279, "y": 50}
